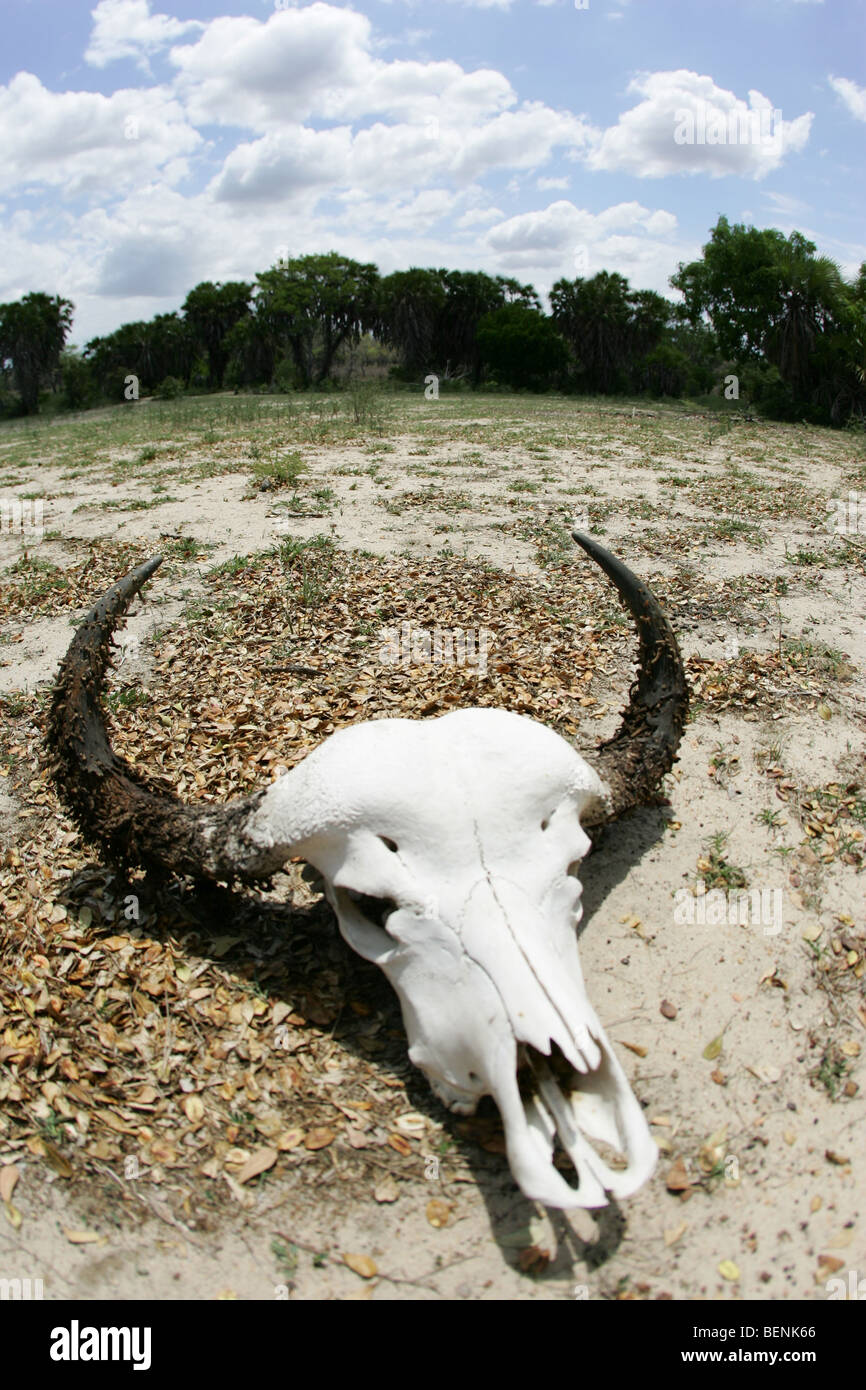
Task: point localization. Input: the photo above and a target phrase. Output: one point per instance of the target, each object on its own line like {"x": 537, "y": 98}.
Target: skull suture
{"x": 450, "y": 849}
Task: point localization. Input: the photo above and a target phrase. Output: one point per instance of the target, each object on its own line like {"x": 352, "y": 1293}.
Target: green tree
{"x": 311, "y": 305}
{"x": 212, "y": 310}
{"x": 594, "y": 318}
{"x": 76, "y": 378}
{"x": 410, "y": 304}
{"x": 469, "y": 295}
{"x": 151, "y": 349}
{"x": 33, "y": 331}
{"x": 772, "y": 302}
{"x": 521, "y": 346}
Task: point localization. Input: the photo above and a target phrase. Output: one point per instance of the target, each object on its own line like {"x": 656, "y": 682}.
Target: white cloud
{"x": 127, "y": 29}
{"x": 563, "y": 239}
{"x": 688, "y": 125}
{"x": 544, "y": 185}
{"x": 853, "y": 96}
{"x": 785, "y": 204}
{"x": 317, "y": 62}
{"x": 475, "y": 217}
{"x": 86, "y": 143}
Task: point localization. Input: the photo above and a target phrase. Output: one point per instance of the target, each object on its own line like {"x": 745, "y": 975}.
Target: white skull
{"x": 454, "y": 868}
{"x": 450, "y": 849}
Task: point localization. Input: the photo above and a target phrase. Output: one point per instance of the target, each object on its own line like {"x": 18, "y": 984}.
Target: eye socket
{"x": 376, "y": 910}
{"x": 389, "y": 843}
{"x": 545, "y": 823}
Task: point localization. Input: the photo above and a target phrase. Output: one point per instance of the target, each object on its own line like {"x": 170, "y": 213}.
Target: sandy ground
{"x": 760, "y": 1188}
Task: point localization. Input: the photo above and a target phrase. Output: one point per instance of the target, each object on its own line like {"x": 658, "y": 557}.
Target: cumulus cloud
{"x": 127, "y": 29}
{"x": 688, "y": 125}
{"x": 563, "y": 239}
{"x": 89, "y": 144}
{"x": 294, "y": 131}
{"x": 853, "y": 96}
{"x": 318, "y": 62}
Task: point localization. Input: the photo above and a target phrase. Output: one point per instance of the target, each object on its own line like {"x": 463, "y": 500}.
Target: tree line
{"x": 762, "y": 318}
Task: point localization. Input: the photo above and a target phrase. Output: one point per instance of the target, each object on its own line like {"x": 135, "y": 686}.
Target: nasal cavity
{"x": 388, "y": 843}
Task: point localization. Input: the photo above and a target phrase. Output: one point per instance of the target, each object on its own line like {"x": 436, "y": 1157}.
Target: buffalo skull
{"x": 450, "y": 851}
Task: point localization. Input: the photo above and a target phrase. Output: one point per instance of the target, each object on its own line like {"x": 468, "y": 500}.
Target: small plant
{"x": 367, "y": 404}
{"x": 286, "y": 1256}
{"x": 278, "y": 472}
{"x": 169, "y": 389}
{"x": 831, "y": 1071}
{"x": 130, "y": 697}
{"x": 187, "y": 548}
{"x": 714, "y": 868}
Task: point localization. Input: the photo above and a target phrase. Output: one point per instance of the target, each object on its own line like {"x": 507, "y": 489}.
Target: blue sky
{"x": 148, "y": 146}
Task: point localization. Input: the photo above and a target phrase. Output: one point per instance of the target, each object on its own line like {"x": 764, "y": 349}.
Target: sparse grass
{"x": 187, "y": 548}
{"x": 731, "y": 528}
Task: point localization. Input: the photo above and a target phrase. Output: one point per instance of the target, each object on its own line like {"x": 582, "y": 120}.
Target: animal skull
{"x": 449, "y": 849}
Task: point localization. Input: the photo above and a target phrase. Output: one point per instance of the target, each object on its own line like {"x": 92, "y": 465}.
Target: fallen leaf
{"x": 361, "y": 1264}
{"x": 667, "y": 1009}
{"x": 56, "y": 1160}
{"x": 729, "y": 1270}
{"x": 438, "y": 1212}
{"x": 386, "y": 1191}
{"x": 842, "y": 1239}
{"x": 712, "y": 1049}
{"x": 13, "y": 1215}
{"x": 289, "y": 1139}
{"x": 832, "y": 1157}
{"x": 401, "y": 1145}
{"x": 257, "y": 1163}
{"x": 677, "y": 1179}
{"x": 636, "y": 1048}
{"x": 411, "y": 1123}
{"x": 194, "y": 1109}
{"x": 533, "y": 1260}
{"x": 8, "y": 1178}
{"x": 83, "y": 1237}
{"x": 319, "y": 1138}
{"x": 675, "y": 1233}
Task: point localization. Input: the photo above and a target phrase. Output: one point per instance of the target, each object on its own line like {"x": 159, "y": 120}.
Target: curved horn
{"x": 643, "y": 749}
{"x": 136, "y": 821}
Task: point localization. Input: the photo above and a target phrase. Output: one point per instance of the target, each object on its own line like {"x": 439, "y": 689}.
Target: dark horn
{"x": 643, "y": 749}
{"x": 117, "y": 808}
